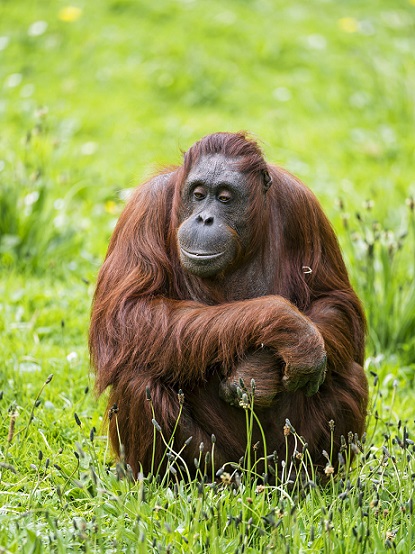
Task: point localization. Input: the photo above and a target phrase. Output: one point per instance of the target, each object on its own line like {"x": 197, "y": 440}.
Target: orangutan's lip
{"x": 201, "y": 255}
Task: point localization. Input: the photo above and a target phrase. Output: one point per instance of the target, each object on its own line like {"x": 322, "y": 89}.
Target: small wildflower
{"x": 226, "y": 478}
{"x": 288, "y": 428}
{"x": 259, "y": 489}
{"x": 69, "y": 14}
{"x": 390, "y": 535}
{"x": 331, "y": 425}
{"x": 180, "y": 396}
{"x": 110, "y": 206}
{"x": 329, "y": 469}
{"x": 244, "y": 402}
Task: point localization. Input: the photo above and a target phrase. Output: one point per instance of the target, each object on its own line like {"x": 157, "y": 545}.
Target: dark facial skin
{"x": 213, "y": 228}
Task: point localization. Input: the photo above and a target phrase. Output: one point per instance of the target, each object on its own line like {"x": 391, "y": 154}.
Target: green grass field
{"x": 94, "y": 97}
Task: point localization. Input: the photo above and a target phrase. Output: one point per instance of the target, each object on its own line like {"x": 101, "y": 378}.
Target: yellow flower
{"x": 70, "y": 14}
{"x": 348, "y": 24}
{"x": 110, "y": 206}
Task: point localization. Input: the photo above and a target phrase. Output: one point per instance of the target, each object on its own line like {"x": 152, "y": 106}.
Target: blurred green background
{"x": 97, "y": 95}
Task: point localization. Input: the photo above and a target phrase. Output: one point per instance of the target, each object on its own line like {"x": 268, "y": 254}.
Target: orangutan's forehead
{"x": 215, "y": 167}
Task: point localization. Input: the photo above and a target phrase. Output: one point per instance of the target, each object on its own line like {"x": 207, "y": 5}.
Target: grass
{"x": 71, "y": 497}
{"x": 381, "y": 262}
{"x": 93, "y": 98}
